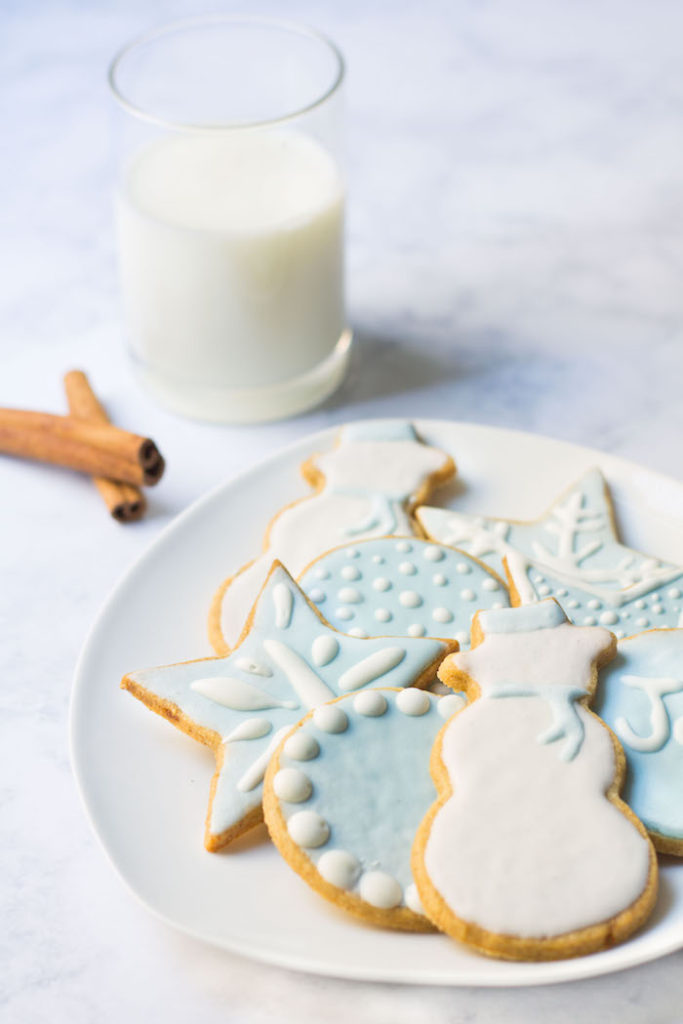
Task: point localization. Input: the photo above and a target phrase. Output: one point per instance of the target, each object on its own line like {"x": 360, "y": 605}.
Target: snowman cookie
{"x": 367, "y": 486}
{"x": 402, "y": 587}
{"x": 573, "y": 554}
{"x": 241, "y": 706}
{"x": 640, "y": 696}
{"x": 345, "y": 792}
{"x": 529, "y": 853}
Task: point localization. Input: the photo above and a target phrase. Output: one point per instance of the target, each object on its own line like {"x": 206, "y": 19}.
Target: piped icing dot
{"x": 330, "y": 718}
{"x": 673, "y": 593}
{"x": 589, "y": 620}
{"x": 380, "y": 889}
{"x": 433, "y": 554}
{"x": 461, "y": 637}
{"x": 301, "y": 746}
{"x": 609, "y": 618}
{"x": 442, "y": 615}
{"x": 594, "y": 603}
{"x": 491, "y": 584}
{"x": 416, "y": 629}
{"x": 537, "y": 578}
{"x": 562, "y": 592}
{"x": 317, "y": 595}
{"x": 543, "y": 589}
{"x": 407, "y": 568}
{"x": 308, "y": 829}
{"x": 352, "y": 553}
{"x": 340, "y": 868}
{"x": 350, "y": 573}
{"x": 412, "y": 899}
{"x": 640, "y": 604}
{"x": 410, "y": 599}
{"x": 292, "y": 785}
{"x": 252, "y": 729}
{"x": 324, "y": 649}
{"x": 381, "y": 584}
{"x": 497, "y": 604}
{"x": 412, "y": 701}
{"x": 657, "y": 609}
{"x": 467, "y": 595}
{"x": 321, "y": 574}
{"x": 378, "y": 559}
{"x": 642, "y": 622}
{"x": 383, "y": 615}
{"x": 439, "y": 580}
{"x": 358, "y": 632}
{"x": 463, "y": 568}
{"x": 344, "y": 614}
{"x": 573, "y": 603}
{"x": 350, "y": 595}
{"x": 370, "y": 703}
{"x": 404, "y": 546}
{"x": 449, "y": 704}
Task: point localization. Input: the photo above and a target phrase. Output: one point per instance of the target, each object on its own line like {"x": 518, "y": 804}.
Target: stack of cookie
{"x": 495, "y": 805}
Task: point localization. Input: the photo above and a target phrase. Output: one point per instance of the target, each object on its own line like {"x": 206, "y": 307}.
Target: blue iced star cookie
{"x": 288, "y": 661}
{"x": 640, "y": 696}
{"x": 572, "y": 554}
{"x": 402, "y": 587}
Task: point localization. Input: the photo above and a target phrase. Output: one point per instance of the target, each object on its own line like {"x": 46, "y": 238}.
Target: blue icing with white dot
{"x": 402, "y": 587}
{"x": 640, "y": 696}
{"x": 353, "y": 784}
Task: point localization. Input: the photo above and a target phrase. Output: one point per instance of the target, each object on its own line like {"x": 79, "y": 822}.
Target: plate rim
{"x": 527, "y": 976}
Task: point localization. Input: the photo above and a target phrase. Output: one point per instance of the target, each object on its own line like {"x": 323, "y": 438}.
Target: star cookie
{"x": 288, "y": 661}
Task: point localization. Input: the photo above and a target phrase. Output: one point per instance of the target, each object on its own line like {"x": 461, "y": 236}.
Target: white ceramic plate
{"x": 145, "y": 785}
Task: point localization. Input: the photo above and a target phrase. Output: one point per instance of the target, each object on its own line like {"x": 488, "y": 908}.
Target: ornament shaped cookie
{"x": 402, "y": 587}
{"x": 640, "y": 696}
{"x": 287, "y": 662}
{"x": 367, "y": 486}
{"x": 529, "y": 852}
{"x": 571, "y": 553}
{"x": 345, "y": 793}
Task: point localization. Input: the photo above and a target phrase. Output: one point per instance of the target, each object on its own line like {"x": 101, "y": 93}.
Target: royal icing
{"x": 302, "y": 664}
{"x": 640, "y": 696}
{"x": 370, "y": 480}
{"x": 368, "y": 788}
{"x": 404, "y": 587}
{"x": 572, "y": 554}
{"x": 527, "y": 844}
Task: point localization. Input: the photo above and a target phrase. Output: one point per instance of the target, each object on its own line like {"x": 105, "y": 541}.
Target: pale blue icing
{"x": 371, "y": 784}
{"x": 380, "y": 430}
{"x": 654, "y": 779}
{"x": 659, "y": 608}
{"x": 271, "y": 646}
{"x": 432, "y": 578}
{"x": 574, "y": 541}
{"x": 524, "y": 619}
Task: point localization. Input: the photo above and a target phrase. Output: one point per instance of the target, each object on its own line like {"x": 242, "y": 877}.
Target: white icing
{"x": 407, "y": 568}
{"x": 306, "y": 684}
{"x": 301, "y": 746}
{"x": 467, "y": 595}
{"x": 255, "y": 668}
{"x": 416, "y": 629}
{"x": 284, "y": 603}
{"x": 317, "y": 595}
{"x": 381, "y": 583}
{"x": 463, "y": 568}
{"x": 404, "y": 546}
{"x": 351, "y": 573}
{"x": 491, "y": 584}
{"x": 308, "y": 829}
{"x": 609, "y": 618}
{"x": 330, "y": 718}
{"x": 412, "y": 898}
{"x": 238, "y": 695}
{"x": 252, "y": 729}
{"x": 451, "y": 703}
{"x": 292, "y": 785}
{"x": 410, "y": 599}
{"x": 442, "y": 615}
{"x": 380, "y": 890}
{"x": 383, "y": 615}
{"x": 655, "y": 689}
{"x": 345, "y": 614}
{"x": 350, "y": 595}
{"x": 412, "y": 701}
{"x": 433, "y": 554}
{"x": 370, "y": 703}
{"x": 439, "y": 579}
{"x": 358, "y": 632}
{"x": 256, "y": 771}
{"x": 324, "y": 649}
{"x": 371, "y": 668}
{"x": 340, "y": 868}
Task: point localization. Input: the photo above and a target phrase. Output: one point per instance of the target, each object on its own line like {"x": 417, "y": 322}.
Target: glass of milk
{"x": 230, "y": 214}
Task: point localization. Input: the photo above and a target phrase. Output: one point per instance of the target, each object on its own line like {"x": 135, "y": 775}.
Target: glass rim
{"x": 223, "y": 19}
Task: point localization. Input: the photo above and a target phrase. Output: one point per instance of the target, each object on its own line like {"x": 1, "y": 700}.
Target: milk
{"x": 231, "y": 248}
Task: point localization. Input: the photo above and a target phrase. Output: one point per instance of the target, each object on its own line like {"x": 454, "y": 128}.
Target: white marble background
{"x": 515, "y": 258}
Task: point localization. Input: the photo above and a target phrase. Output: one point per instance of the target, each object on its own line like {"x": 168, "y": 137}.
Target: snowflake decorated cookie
{"x": 345, "y": 792}
{"x": 572, "y": 553}
{"x": 288, "y": 661}
{"x": 402, "y": 587}
{"x": 529, "y": 852}
{"x": 640, "y": 696}
{"x": 366, "y": 486}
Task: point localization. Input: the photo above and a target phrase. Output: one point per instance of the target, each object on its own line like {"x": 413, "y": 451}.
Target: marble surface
{"x": 515, "y": 252}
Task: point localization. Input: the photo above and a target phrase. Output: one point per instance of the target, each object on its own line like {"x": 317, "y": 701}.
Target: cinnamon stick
{"x": 125, "y": 502}
{"x": 99, "y": 449}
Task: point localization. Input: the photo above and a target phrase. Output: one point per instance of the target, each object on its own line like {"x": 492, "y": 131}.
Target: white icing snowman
{"x": 367, "y": 487}
{"x": 531, "y": 841}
